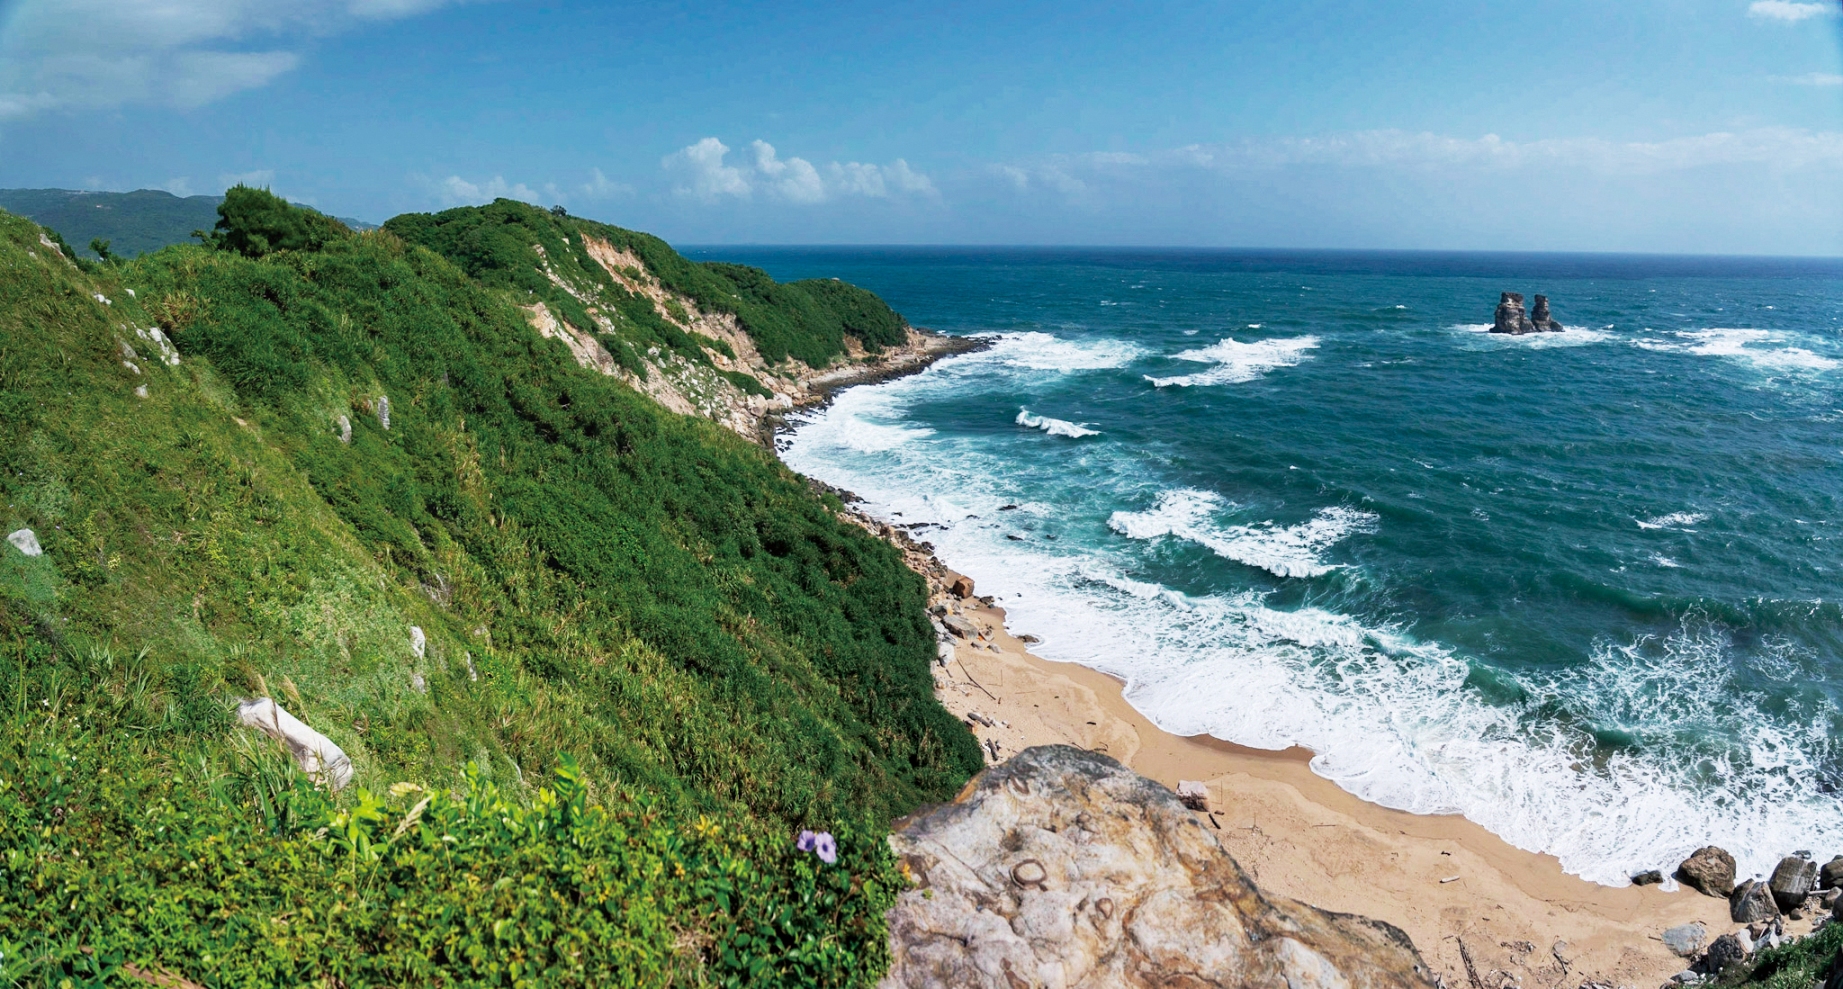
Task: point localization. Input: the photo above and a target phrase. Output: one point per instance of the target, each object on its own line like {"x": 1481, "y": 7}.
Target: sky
{"x": 1688, "y": 126}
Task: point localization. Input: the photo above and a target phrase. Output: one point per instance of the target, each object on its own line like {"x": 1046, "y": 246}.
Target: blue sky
{"x": 1710, "y": 126}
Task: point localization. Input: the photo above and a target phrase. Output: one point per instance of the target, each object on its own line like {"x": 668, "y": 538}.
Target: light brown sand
{"x": 1484, "y": 914}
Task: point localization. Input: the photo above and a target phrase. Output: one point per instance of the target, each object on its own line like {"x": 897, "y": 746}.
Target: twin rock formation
{"x": 1061, "y": 869}
{"x": 1513, "y": 320}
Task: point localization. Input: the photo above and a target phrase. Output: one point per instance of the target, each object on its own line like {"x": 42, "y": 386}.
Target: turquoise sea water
{"x": 1583, "y": 588}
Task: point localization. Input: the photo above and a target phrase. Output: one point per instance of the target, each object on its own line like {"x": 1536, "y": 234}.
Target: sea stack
{"x": 1512, "y": 319}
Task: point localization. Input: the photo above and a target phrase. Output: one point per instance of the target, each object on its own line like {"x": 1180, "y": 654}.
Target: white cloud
{"x": 181, "y": 187}
{"x": 457, "y": 191}
{"x": 600, "y": 186}
{"x": 261, "y": 178}
{"x": 1787, "y": 10}
{"x": 1813, "y": 79}
{"x": 76, "y": 54}
{"x": 704, "y": 174}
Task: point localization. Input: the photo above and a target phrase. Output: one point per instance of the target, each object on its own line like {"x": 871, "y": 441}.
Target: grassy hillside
{"x": 543, "y": 254}
{"x": 639, "y": 606}
{"x": 132, "y": 222}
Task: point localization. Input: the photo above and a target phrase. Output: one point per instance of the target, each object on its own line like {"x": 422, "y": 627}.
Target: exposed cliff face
{"x": 703, "y": 389}
{"x": 1061, "y": 868}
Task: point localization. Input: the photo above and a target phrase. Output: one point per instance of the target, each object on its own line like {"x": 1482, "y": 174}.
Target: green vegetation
{"x": 545, "y": 255}
{"x": 1799, "y": 965}
{"x": 640, "y": 606}
{"x": 132, "y": 222}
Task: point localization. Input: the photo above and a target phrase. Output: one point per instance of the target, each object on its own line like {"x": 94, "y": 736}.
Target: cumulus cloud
{"x": 77, "y": 54}
{"x": 457, "y": 191}
{"x": 701, "y": 171}
{"x": 1787, "y": 10}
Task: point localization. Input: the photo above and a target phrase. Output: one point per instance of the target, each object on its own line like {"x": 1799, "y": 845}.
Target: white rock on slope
{"x": 316, "y": 754}
{"x": 26, "y": 541}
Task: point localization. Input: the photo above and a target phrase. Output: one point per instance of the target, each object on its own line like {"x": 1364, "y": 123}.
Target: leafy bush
{"x": 255, "y": 222}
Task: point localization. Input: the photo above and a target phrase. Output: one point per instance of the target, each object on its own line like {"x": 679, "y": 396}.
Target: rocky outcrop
{"x": 1061, "y": 868}
{"x": 1752, "y": 902}
{"x": 316, "y": 754}
{"x": 1709, "y": 870}
{"x": 1511, "y": 317}
{"x": 1792, "y": 881}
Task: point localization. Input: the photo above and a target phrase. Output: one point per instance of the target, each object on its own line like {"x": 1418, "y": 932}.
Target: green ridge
{"x": 640, "y": 606}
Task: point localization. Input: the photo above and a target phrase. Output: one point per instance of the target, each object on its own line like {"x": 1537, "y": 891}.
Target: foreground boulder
{"x": 1752, "y": 902}
{"x": 1061, "y": 868}
{"x": 1792, "y": 881}
{"x": 1710, "y": 870}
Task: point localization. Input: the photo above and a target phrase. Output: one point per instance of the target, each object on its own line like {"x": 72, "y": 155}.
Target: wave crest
{"x": 1055, "y": 427}
{"x": 1284, "y": 551}
{"x": 1236, "y": 362}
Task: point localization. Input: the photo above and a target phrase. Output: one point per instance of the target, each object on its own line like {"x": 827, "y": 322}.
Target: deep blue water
{"x": 1581, "y": 587}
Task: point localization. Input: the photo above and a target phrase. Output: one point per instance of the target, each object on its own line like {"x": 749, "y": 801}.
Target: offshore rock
{"x": 1539, "y": 316}
{"x": 1510, "y": 317}
{"x": 1792, "y": 881}
{"x": 1710, "y": 870}
{"x": 1753, "y": 901}
{"x": 1061, "y": 869}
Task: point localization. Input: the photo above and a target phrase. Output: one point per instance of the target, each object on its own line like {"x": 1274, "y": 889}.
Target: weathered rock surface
{"x": 962, "y": 587}
{"x": 1193, "y": 794}
{"x": 1061, "y": 868}
{"x": 960, "y": 627}
{"x": 1830, "y": 876}
{"x": 1710, "y": 870}
{"x": 313, "y": 752}
{"x": 25, "y": 541}
{"x": 1727, "y": 950}
{"x": 1792, "y": 881}
{"x": 1539, "y": 316}
{"x": 1686, "y": 939}
{"x": 1511, "y": 317}
{"x": 1650, "y": 877}
{"x": 1752, "y": 901}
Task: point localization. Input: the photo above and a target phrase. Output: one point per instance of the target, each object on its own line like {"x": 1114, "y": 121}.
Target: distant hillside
{"x": 132, "y": 222}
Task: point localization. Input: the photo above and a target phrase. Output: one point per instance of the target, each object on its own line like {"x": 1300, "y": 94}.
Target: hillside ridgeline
{"x": 343, "y": 472}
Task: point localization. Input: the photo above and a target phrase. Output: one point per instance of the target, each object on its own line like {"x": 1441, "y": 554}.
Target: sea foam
{"x": 1037, "y": 351}
{"x": 1236, "y": 362}
{"x": 1055, "y": 427}
{"x": 1284, "y": 551}
{"x": 1764, "y": 349}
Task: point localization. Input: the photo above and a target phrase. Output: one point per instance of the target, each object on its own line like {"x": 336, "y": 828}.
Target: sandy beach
{"x": 1484, "y": 914}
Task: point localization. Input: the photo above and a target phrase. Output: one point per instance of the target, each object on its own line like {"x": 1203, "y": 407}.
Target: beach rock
{"x": 1193, "y": 794}
{"x": 1539, "y": 316}
{"x": 1710, "y": 870}
{"x": 25, "y": 541}
{"x": 316, "y": 754}
{"x": 1510, "y": 317}
{"x": 1792, "y": 881}
{"x": 961, "y": 627}
{"x": 1686, "y": 939}
{"x": 1687, "y": 977}
{"x": 1062, "y": 868}
{"x": 1830, "y": 876}
{"x": 962, "y": 587}
{"x": 1752, "y": 901}
{"x": 1650, "y": 877}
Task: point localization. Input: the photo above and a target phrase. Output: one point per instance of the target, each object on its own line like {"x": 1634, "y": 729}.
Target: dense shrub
{"x": 254, "y": 222}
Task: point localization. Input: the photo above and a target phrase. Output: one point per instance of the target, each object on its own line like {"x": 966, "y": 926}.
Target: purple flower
{"x": 806, "y": 841}
{"x": 825, "y": 847}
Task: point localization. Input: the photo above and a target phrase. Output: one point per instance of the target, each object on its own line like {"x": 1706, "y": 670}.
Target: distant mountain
{"x": 132, "y": 222}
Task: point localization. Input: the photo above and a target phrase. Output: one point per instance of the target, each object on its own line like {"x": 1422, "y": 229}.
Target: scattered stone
{"x": 345, "y": 430}
{"x": 961, "y": 627}
{"x": 944, "y": 652}
{"x": 1792, "y": 880}
{"x": 1686, "y": 978}
{"x": 384, "y": 412}
{"x": 1686, "y": 939}
{"x": 1648, "y": 878}
{"x": 1830, "y": 875}
{"x": 25, "y": 541}
{"x": 1752, "y": 901}
{"x": 1029, "y": 640}
{"x": 103, "y": 299}
{"x": 316, "y": 754}
{"x": 1193, "y": 794}
{"x": 472, "y": 674}
{"x": 419, "y": 643}
{"x": 1061, "y": 867}
{"x": 417, "y": 683}
{"x": 962, "y": 587}
{"x": 140, "y": 391}
{"x": 1710, "y": 870}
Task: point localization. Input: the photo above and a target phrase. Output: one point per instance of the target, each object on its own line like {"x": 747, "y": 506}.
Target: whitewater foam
{"x": 1679, "y": 521}
{"x": 1569, "y": 336}
{"x": 1284, "y": 551}
{"x": 1753, "y": 346}
{"x": 1055, "y": 427}
{"x": 1038, "y": 351}
{"x": 1236, "y": 362}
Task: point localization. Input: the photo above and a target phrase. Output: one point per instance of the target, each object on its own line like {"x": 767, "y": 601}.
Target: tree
{"x": 255, "y": 222}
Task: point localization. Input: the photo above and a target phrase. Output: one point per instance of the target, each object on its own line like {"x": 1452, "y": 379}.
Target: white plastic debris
{"x": 25, "y": 541}
{"x": 316, "y": 754}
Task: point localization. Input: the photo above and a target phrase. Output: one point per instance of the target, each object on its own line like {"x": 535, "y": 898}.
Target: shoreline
{"x": 1484, "y": 914}
{"x": 924, "y": 348}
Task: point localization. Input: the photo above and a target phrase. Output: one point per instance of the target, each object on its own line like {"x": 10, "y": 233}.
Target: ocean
{"x": 1582, "y": 588}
